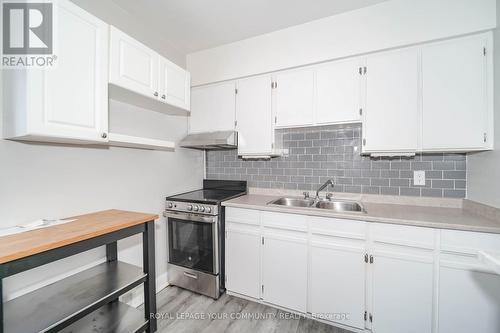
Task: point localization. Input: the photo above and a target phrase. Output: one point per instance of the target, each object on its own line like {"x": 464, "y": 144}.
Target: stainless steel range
{"x": 196, "y": 236}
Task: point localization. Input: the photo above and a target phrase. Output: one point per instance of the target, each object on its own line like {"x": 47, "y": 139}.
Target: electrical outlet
{"x": 419, "y": 178}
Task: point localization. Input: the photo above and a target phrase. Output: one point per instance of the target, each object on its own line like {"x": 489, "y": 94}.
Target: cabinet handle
{"x": 156, "y": 94}
{"x": 104, "y": 135}
{"x": 163, "y": 96}
{"x": 371, "y": 259}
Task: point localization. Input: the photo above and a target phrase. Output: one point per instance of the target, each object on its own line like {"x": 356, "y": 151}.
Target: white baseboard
{"x": 136, "y": 297}
{"x": 161, "y": 282}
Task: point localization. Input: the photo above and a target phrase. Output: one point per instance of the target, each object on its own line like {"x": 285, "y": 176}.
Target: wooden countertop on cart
{"x": 84, "y": 227}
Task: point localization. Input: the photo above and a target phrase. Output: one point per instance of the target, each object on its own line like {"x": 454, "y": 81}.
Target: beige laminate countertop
{"x": 421, "y": 216}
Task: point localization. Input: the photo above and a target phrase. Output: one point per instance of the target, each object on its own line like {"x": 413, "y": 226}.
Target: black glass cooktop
{"x": 214, "y": 192}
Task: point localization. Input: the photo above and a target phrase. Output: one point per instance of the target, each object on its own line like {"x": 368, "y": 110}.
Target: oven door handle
{"x": 190, "y": 217}
{"x": 190, "y": 275}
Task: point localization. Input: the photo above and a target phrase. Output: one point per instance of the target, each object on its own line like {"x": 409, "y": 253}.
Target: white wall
{"x": 109, "y": 12}
{"x": 40, "y": 180}
{"x": 389, "y": 24}
{"x": 483, "y": 169}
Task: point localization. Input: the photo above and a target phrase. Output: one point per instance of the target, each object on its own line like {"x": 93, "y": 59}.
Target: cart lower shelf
{"x": 115, "y": 317}
{"x": 82, "y": 295}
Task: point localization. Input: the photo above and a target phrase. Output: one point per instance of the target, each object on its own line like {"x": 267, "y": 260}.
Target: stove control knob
{"x": 170, "y": 205}
{"x": 196, "y": 208}
{"x": 208, "y": 210}
{"x": 189, "y": 207}
{"x": 202, "y": 209}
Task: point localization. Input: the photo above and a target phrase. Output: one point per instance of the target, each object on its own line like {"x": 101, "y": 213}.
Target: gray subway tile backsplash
{"x": 319, "y": 153}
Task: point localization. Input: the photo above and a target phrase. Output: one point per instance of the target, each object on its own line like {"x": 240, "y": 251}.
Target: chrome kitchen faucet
{"x": 325, "y": 185}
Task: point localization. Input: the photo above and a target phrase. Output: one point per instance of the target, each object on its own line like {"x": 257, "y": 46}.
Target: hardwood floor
{"x": 182, "y": 311}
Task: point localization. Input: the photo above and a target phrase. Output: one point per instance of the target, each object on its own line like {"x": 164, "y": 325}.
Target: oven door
{"x": 193, "y": 241}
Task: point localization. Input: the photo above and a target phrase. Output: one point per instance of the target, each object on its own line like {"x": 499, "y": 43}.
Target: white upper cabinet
{"x": 142, "y": 77}
{"x": 293, "y": 97}
{"x": 391, "y": 121}
{"x": 455, "y": 89}
{"x": 67, "y": 103}
{"x": 338, "y": 92}
{"x": 428, "y": 98}
{"x": 133, "y": 66}
{"x": 174, "y": 85}
{"x": 254, "y": 116}
{"x": 213, "y": 108}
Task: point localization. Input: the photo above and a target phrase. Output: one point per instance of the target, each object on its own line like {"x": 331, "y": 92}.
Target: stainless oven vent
{"x": 220, "y": 140}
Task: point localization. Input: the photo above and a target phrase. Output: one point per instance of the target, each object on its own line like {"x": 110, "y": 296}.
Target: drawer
{"x": 327, "y": 226}
{"x": 469, "y": 242}
{"x": 293, "y": 222}
{"x": 240, "y": 215}
{"x": 410, "y": 236}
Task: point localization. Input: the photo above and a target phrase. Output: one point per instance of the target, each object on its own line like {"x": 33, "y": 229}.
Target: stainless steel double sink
{"x": 341, "y": 206}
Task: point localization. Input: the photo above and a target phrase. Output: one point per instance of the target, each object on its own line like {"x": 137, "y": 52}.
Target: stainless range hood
{"x": 211, "y": 140}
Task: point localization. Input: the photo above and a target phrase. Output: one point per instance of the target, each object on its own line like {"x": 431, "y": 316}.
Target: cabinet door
{"x": 243, "y": 244}
{"x": 294, "y": 98}
{"x": 133, "y": 65}
{"x": 338, "y": 92}
{"x": 402, "y": 293}
{"x": 175, "y": 84}
{"x": 284, "y": 270}
{"x": 213, "y": 108}
{"x": 337, "y": 285}
{"x": 254, "y": 116}
{"x": 71, "y": 100}
{"x": 469, "y": 300}
{"x": 391, "y": 119}
{"x": 455, "y": 106}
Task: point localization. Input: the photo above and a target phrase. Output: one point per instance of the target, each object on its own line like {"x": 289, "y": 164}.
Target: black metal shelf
{"x": 115, "y": 317}
{"x": 51, "y": 308}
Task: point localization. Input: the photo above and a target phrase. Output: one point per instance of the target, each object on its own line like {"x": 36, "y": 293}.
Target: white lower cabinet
{"x": 284, "y": 260}
{"x": 378, "y": 277}
{"x": 337, "y": 271}
{"x": 242, "y": 251}
{"x": 402, "y": 293}
{"x": 469, "y": 292}
{"x": 401, "y": 278}
{"x": 469, "y": 301}
{"x": 284, "y": 270}
{"x": 243, "y": 261}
